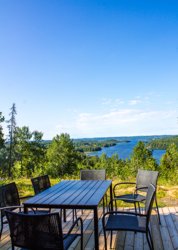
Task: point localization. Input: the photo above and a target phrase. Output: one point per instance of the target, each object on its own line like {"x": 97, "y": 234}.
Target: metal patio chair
{"x": 9, "y": 197}
{"x": 143, "y": 180}
{"x": 94, "y": 174}
{"x": 130, "y": 221}
{"x": 41, "y": 231}
{"x": 40, "y": 183}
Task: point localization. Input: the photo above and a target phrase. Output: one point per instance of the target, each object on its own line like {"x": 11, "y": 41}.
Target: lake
{"x": 124, "y": 149}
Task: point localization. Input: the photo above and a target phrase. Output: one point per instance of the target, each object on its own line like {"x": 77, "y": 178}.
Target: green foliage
{"x": 30, "y": 150}
{"x": 163, "y": 143}
{"x": 4, "y": 163}
{"x": 167, "y": 194}
{"x": 1, "y": 131}
{"x": 91, "y": 145}
{"x": 12, "y": 129}
{"x": 62, "y": 156}
{"x": 169, "y": 163}
{"x": 26, "y": 154}
{"x": 142, "y": 158}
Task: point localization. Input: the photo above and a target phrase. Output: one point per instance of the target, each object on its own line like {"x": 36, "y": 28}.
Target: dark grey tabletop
{"x": 71, "y": 194}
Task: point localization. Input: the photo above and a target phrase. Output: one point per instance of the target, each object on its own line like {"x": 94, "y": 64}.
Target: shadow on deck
{"x": 165, "y": 236}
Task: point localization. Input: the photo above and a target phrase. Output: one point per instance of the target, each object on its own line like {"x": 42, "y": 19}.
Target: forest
{"x": 24, "y": 154}
{"x": 163, "y": 143}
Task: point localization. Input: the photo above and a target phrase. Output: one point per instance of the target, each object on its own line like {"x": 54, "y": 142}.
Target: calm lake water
{"x": 124, "y": 149}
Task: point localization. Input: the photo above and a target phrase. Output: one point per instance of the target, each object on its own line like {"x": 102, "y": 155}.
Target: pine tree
{"x": 12, "y": 129}
{"x": 62, "y": 155}
{"x": 1, "y": 131}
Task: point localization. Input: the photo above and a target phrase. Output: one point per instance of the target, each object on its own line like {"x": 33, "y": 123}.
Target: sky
{"x": 90, "y": 68}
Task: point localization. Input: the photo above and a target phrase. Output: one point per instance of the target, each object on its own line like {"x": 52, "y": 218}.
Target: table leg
{"x": 111, "y": 197}
{"x": 25, "y": 209}
{"x": 96, "y": 228}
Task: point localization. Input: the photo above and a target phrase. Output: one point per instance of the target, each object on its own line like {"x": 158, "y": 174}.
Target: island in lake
{"x": 87, "y": 145}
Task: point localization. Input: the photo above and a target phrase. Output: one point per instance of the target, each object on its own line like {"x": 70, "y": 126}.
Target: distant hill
{"x": 163, "y": 143}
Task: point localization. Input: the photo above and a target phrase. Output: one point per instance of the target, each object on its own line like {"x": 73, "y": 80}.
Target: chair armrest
{"x": 75, "y": 223}
{"x": 140, "y": 189}
{"x": 10, "y": 207}
{"x": 122, "y": 183}
{"x": 13, "y": 207}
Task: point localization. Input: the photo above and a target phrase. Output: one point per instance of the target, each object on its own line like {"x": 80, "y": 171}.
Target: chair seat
{"x": 131, "y": 198}
{"x": 68, "y": 241}
{"x": 126, "y": 223}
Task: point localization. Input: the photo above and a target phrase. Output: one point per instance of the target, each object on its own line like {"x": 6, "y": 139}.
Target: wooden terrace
{"x": 165, "y": 236}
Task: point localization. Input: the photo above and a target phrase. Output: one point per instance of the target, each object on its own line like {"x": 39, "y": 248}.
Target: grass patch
{"x": 167, "y": 194}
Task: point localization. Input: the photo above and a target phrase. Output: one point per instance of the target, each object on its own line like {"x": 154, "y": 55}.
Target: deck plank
{"x": 155, "y": 231}
{"x": 165, "y": 235}
{"x": 138, "y": 244}
{"x": 171, "y": 227}
{"x": 167, "y": 243}
{"x": 174, "y": 215}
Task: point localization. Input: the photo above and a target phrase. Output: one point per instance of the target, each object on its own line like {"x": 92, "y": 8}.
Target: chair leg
{"x": 74, "y": 213}
{"x": 151, "y": 239}
{"x": 105, "y": 241}
{"x": 1, "y": 227}
{"x": 111, "y": 239}
{"x": 135, "y": 207}
{"x": 64, "y": 214}
{"x": 1, "y": 231}
{"x": 106, "y": 202}
{"x": 139, "y": 207}
{"x": 103, "y": 206}
{"x": 115, "y": 205}
{"x": 157, "y": 210}
{"x": 149, "y": 243}
{"x": 60, "y": 213}
{"x": 81, "y": 241}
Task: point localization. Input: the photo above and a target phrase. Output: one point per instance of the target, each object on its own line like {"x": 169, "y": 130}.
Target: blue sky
{"x": 90, "y": 68}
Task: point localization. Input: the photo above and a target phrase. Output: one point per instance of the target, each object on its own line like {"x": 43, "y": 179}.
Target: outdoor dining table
{"x": 73, "y": 194}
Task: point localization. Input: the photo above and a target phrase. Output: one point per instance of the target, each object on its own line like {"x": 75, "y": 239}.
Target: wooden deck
{"x": 165, "y": 236}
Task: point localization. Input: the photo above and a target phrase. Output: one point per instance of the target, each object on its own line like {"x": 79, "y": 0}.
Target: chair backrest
{"x": 35, "y": 231}
{"x": 9, "y": 196}
{"x": 40, "y": 183}
{"x": 87, "y": 174}
{"x": 145, "y": 178}
{"x": 149, "y": 201}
